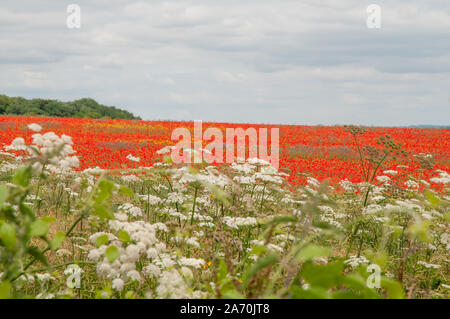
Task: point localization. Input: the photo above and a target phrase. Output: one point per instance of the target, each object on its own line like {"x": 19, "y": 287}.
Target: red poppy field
{"x": 143, "y": 225}
{"x": 323, "y": 152}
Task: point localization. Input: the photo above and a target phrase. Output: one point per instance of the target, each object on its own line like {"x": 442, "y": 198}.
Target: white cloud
{"x": 265, "y": 61}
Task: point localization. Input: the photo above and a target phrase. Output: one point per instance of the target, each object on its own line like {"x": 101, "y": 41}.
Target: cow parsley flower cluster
{"x": 130, "y": 209}
{"x": 236, "y": 222}
{"x": 355, "y": 261}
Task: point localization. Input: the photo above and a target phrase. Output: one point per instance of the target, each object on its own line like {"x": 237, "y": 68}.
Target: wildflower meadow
{"x": 97, "y": 209}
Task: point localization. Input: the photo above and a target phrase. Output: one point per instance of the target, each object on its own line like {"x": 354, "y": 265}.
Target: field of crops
{"x": 94, "y": 209}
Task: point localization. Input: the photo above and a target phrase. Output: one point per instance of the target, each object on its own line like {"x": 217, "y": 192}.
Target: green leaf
{"x": 354, "y": 281}
{"x": 48, "y": 219}
{"x": 3, "y": 194}
{"x": 112, "y": 253}
{"x": 222, "y": 272}
{"x": 323, "y": 276}
{"x": 124, "y": 236}
{"x": 38, "y": 228}
{"x": 101, "y": 240}
{"x": 311, "y": 251}
{"x": 322, "y": 224}
{"x": 5, "y": 290}
{"x": 106, "y": 188}
{"x": 22, "y": 176}
{"x": 219, "y": 194}
{"x": 357, "y": 284}
{"x": 25, "y": 210}
{"x": 36, "y": 253}
{"x": 393, "y": 288}
{"x": 310, "y": 293}
{"x": 126, "y": 191}
{"x": 347, "y": 294}
{"x": 57, "y": 240}
{"x": 233, "y": 294}
{"x": 420, "y": 230}
{"x": 103, "y": 212}
{"x": 258, "y": 250}
{"x": 434, "y": 201}
{"x": 260, "y": 264}
{"x": 281, "y": 220}
{"x": 8, "y": 235}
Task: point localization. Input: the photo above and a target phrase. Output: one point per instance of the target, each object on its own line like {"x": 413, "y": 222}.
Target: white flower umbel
{"x": 18, "y": 144}
{"x": 428, "y": 265}
{"x": 355, "y": 261}
{"x": 236, "y": 222}
{"x": 173, "y": 286}
{"x": 132, "y": 158}
{"x": 35, "y": 127}
{"x": 117, "y": 284}
{"x": 130, "y": 209}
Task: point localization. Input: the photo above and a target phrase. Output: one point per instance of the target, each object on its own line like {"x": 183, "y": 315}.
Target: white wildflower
{"x": 132, "y": 158}
{"x": 35, "y": 127}
{"x": 117, "y": 284}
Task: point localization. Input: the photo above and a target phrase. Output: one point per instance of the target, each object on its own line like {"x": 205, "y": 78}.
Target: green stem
{"x": 262, "y": 197}
{"x": 366, "y": 176}
{"x": 369, "y": 188}
{"x": 352, "y": 238}
{"x": 193, "y": 206}
{"x": 38, "y": 189}
{"x": 398, "y": 176}
{"x": 48, "y": 247}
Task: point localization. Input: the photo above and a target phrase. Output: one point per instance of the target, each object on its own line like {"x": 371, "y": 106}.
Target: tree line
{"x": 81, "y": 108}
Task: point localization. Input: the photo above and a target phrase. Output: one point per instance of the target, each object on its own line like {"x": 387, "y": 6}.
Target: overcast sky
{"x": 257, "y": 61}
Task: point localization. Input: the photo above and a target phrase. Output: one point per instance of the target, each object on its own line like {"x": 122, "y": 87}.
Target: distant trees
{"x": 82, "y": 108}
